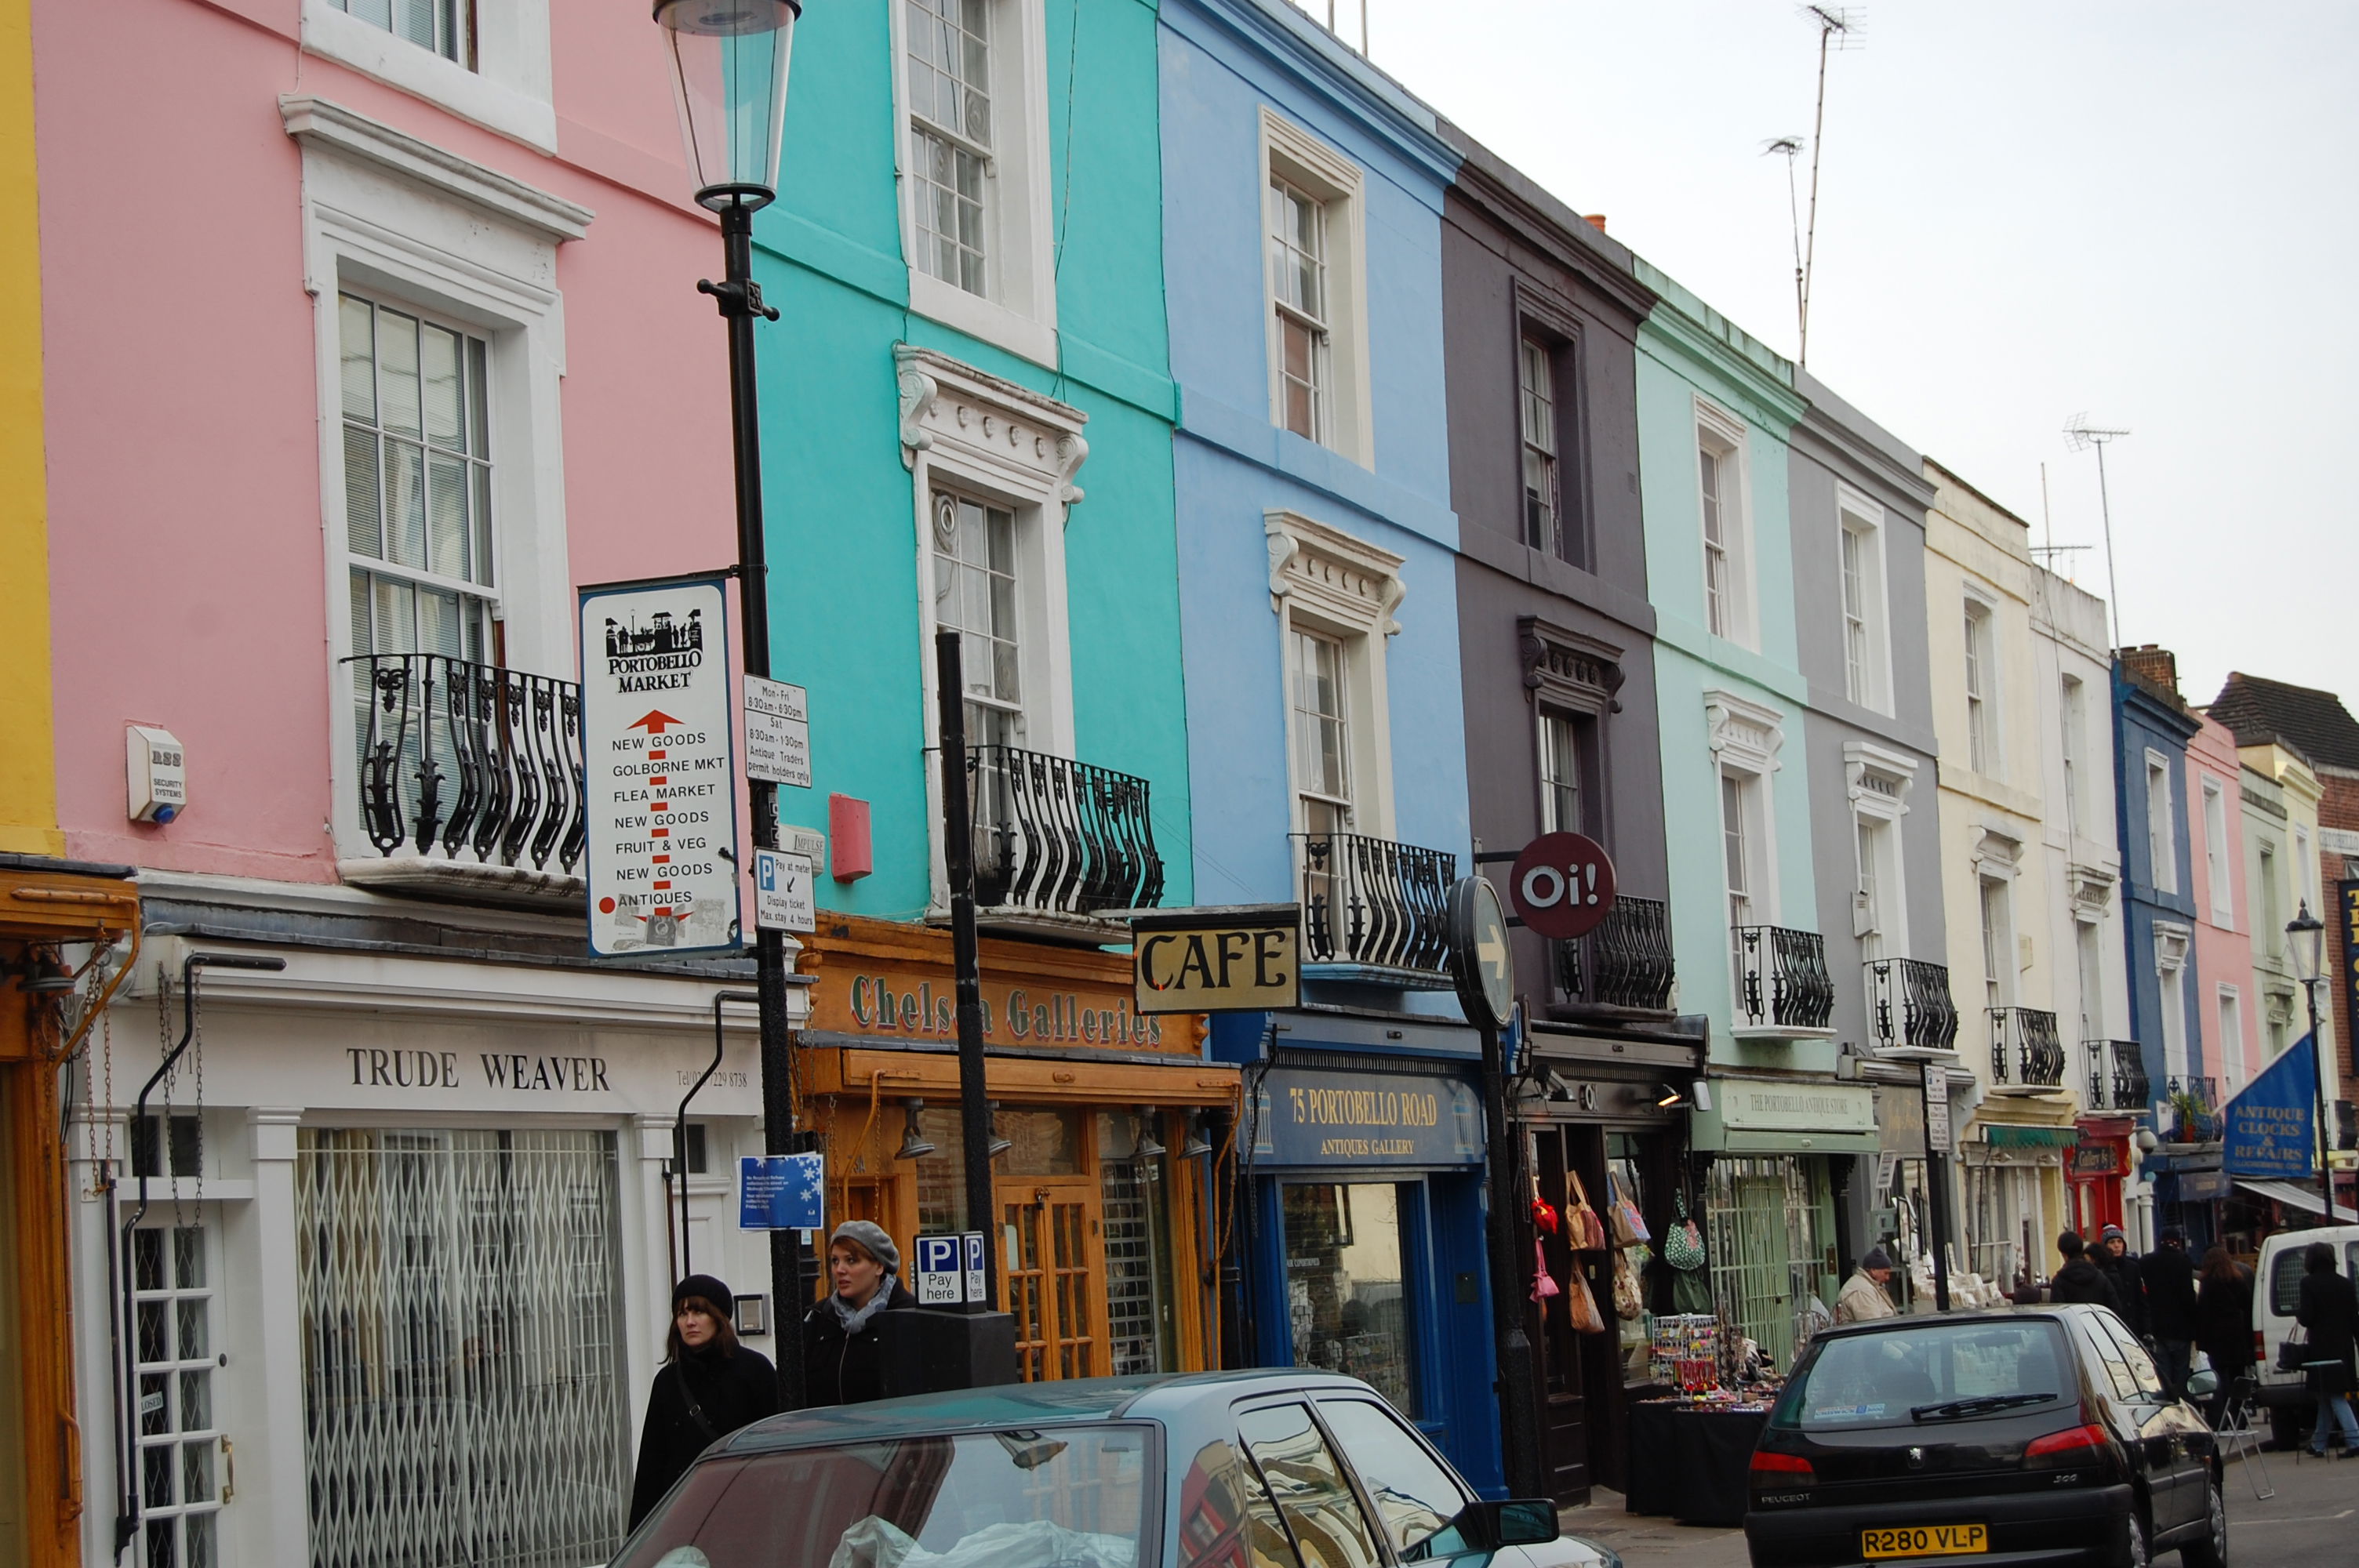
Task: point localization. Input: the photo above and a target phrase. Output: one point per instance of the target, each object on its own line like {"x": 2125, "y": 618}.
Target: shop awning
{"x": 2000, "y": 1135}
{"x": 2303, "y": 1198}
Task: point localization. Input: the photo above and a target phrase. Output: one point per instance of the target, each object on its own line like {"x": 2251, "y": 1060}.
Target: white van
{"x": 2276, "y": 1292}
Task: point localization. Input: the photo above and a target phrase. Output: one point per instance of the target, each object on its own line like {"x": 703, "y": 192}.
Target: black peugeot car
{"x": 2033, "y": 1436}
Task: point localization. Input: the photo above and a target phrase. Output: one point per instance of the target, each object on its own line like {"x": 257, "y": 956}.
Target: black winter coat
{"x": 2330, "y": 1309}
{"x": 841, "y": 1368}
{"x": 731, "y": 1390}
{"x": 2129, "y": 1291}
{"x": 2224, "y": 1323}
{"x": 2169, "y": 1278}
{"x": 2082, "y": 1280}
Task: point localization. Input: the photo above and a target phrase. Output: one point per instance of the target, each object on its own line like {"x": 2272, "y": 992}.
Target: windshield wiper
{"x": 1976, "y": 1405}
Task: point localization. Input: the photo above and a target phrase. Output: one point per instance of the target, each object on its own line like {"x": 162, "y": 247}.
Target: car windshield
{"x": 1939, "y": 1372}
{"x": 1068, "y": 1497}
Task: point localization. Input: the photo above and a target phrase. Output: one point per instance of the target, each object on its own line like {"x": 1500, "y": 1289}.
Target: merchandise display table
{"x": 1691, "y": 1460}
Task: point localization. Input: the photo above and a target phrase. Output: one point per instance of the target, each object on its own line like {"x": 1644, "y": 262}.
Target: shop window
{"x": 414, "y": 1249}
{"x": 1622, "y": 1180}
{"x": 187, "y": 1147}
{"x": 1347, "y": 1304}
{"x": 1312, "y": 1494}
{"x": 179, "y": 1438}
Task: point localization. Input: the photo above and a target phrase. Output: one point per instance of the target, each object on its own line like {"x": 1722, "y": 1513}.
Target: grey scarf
{"x": 853, "y": 1318}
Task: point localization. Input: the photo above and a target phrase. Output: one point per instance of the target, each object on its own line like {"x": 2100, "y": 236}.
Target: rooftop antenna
{"x": 1790, "y": 148}
{"x": 2051, "y": 549}
{"x": 1840, "y": 28}
{"x": 2080, "y": 434}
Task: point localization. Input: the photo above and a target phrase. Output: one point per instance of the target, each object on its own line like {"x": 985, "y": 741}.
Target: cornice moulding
{"x": 323, "y": 125}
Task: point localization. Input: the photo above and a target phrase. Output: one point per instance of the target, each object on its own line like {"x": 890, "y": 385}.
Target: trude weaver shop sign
{"x": 1239, "y": 959}
{"x": 2270, "y": 1124}
{"x": 659, "y": 767}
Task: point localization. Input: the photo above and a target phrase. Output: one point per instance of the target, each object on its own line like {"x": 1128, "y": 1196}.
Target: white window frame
{"x": 2171, "y": 944}
{"x": 1867, "y": 671}
{"x": 404, "y": 221}
{"x": 1581, "y": 730}
{"x": 1978, "y": 669}
{"x": 1745, "y": 738}
{"x": 1324, "y": 580}
{"x": 1020, "y": 311}
{"x": 2305, "y": 869}
{"x": 2228, "y": 1010}
{"x": 965, "y": 430}
{"x": 1293, "y": 155}
{"x": 2221, "y": 888}
{"x": 2161, "y": 833}
{"x": 508, "y": 91}
{"x": 1723, "y": 434}
{"x": 2089, "y": 962}
{"x": 1876, "y": 781}
{"x": 2002, "y": 979}
{"x": 2269, "y": 912}
{"x": 1539, "y": 437}
{"x": 2073, "y": 720}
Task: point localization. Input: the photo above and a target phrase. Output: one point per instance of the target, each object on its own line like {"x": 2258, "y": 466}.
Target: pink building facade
{"x": 2227, "y": 1007}
{"x": 372, "y": 331}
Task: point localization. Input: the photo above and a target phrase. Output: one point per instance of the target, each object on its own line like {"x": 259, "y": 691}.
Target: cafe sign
{"x": 1241, "y": 959}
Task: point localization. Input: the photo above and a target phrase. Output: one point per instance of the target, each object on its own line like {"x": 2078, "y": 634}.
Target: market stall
{"x": 1691, "y": 1452}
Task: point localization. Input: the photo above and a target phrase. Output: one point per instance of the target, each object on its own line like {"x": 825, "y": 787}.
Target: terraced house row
{"x": 1325, "y": 511}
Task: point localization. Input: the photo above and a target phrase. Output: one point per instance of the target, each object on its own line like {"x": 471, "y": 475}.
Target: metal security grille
{"x": 172, "y": 1304}
{"x": 1768, "y": 1222}
{"x": 462, "y": 1395}
{"x": 1138, "y": 1312}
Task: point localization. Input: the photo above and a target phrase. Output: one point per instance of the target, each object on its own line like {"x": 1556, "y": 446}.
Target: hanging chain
{"x": 159, "y": 1131}
{"x": 197, "y": 1027}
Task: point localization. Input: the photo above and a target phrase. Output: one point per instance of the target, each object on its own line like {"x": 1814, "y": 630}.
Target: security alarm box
{"x": 156, "y": 773}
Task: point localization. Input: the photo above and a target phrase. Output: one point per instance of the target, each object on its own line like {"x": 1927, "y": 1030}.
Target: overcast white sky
{"x": 2144, "y": 211}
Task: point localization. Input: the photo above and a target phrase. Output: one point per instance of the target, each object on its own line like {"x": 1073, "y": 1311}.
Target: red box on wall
{"x": 850, "y": 853}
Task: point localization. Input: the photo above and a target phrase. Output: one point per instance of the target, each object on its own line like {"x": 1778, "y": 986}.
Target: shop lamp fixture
{"x": 914, "y": 1144}
{"x": 729, "y": 84}
{"x": 1148, "y": 1147}
{"x": 1198, "y": 1144}
{"x": 1673, "y": 1095}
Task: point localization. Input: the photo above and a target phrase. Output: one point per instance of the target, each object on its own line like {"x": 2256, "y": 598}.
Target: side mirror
{"x": 2204, "y": 1382}
{"x": 1523, "y": 1521}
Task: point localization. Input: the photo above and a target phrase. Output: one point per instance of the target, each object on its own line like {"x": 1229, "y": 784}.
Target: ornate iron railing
{"x": 458, "y": 757}
{"x": 2024, "y": 1050}
{"x": 1781, "y": 978}
{"x": 1370, "y": 901}
{"x": 1058, "y": 836}
{"x": 2203, "y": 1124}
{"x": 1626, "y": 962}
{"x": 2117, "y": 1079}
{"x": 1908, "y": 1004}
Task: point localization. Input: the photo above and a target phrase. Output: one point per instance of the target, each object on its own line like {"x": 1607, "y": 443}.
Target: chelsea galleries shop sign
{"x": 660, "y": 768}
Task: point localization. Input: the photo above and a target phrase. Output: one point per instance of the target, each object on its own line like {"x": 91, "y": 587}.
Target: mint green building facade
{"x": 1715, "y": 409}
{"x": 1033, "y": 384}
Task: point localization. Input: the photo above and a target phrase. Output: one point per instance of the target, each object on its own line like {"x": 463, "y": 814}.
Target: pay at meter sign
{"x": 1562, "y": 885}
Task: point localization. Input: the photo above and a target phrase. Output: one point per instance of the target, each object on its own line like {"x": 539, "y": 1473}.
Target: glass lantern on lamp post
{"x": 728, "y": 61}
{"x": 2306, "y": 936}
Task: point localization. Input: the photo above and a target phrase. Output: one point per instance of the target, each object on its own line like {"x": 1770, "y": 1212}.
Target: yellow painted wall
{"x": 28, "y": 797}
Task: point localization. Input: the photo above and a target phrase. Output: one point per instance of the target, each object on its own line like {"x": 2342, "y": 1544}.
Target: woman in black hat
{"x": 2330, "y": 1309}
{"x": 709, "y": 1387}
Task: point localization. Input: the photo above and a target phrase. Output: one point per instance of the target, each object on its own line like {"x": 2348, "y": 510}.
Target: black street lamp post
{"x": 729, "y": 81}
{"x": 2307, "y": 936}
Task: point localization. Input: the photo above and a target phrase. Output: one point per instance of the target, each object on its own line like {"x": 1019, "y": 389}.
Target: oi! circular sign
{"x": 1562, "y": 885}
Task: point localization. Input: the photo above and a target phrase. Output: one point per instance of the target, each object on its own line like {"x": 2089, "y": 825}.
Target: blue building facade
{"x": 1304, "y": 197}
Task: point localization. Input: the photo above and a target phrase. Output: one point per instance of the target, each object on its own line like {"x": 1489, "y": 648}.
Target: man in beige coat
{"x": 1863, "y": 1299}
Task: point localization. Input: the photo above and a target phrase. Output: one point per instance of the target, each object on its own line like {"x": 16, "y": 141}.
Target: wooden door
{"x": 1562, "y": 1394}
{"x": 1052, "y": 1282}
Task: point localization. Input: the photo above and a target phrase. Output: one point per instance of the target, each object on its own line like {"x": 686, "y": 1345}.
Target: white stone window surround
{"x": 1325, "y": 580}
{"x": 1723, "y": 434}
{"x": 508, "y": 91}
{"x": 1019, "y": 207}
{"x": 1876, "y": 781}
{"x": 2171, "y": 943}
{"x": 1858, "y": 516}
{"x": 1292, "y": 154}
{"x": 402, "y": 220}
{"x": 965, "y": 430}
{"x": 1745, "y": 738}
{"x": 2218, "y": 876}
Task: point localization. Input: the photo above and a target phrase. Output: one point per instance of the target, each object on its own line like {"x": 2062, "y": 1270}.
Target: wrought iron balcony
{"x": 1373, "y": 903}
{"x": 1908, "y": 1004}
{"x": 2194, "y": 1108}
{"x": 1058, "y": 836}
{"x": 2117, "y": 1080}
{"x": 2025, "y": 1051}
{"x": 469, "y": 763}
{"x": 1624, "y": 963}
{"x": 1781, "y": 980}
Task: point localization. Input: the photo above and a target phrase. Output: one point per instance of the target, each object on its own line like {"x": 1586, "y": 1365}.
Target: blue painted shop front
{"x": 1360, "y": 1215}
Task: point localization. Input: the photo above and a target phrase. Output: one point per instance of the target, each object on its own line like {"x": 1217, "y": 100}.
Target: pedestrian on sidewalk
{"x": 1863, "y": 1299}
{"x": 2223, "y": 1325}
{"x": 708, "y": 1386}
{"x": 2330, "y": 1309}
{"x": 843, "y": 1354}
{"x": 2079, "y": 1280}
{"x": 2121, "y": 1268}
{"x": 2169, "y": 1279}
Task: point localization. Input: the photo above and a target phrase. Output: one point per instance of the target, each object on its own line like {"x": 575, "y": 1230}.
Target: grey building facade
{"x": 1857, "y": 498}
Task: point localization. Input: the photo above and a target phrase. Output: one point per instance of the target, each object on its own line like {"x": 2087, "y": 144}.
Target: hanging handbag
{"x": 1544, "y": 1283}
{"x": 1584, "y": 1229}
{"x": 1629, "y": 1225}
{"x": 1683, "y": 1246}
{"x": 2293, "y": 1350}
{"x": 1629, "y": 1301}
{"x": 1581, "y": 1305}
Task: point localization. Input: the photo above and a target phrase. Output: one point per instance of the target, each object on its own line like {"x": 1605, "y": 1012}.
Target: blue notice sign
{"x": 2270, "y": 1124}
{"x": 782, "y": 1192}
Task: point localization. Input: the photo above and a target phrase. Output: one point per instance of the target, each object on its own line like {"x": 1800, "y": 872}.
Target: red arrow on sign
{"x": 655, "y": 723}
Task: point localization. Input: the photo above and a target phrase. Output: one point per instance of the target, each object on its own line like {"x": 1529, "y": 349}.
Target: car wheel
{"x": 2212, "y": 1551}
{"x": 2129, "y": 1546}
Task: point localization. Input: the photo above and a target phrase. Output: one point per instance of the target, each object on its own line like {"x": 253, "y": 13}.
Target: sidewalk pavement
{"x": 1645, "y": 1539}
